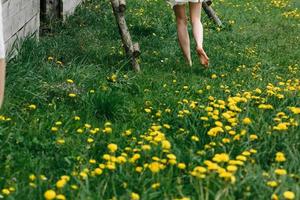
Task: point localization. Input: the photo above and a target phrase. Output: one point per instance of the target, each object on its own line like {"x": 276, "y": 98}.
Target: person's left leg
{"x": 2, "y": 80}
{"x": 182, "y": 32}
{"x": 195, "y": 14}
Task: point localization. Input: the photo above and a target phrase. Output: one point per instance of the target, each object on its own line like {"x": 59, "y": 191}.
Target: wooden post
{"x": 122, "y": 5}
{"x": 208, "y": 2}
{"x": 132, "y": 51}
{"x": 210, "y": 12}
{"x": 50, "y": 9}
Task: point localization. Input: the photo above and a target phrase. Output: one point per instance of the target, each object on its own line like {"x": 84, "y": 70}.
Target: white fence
{"x": 21, "y": 18}
{"x": 69, "y": 6}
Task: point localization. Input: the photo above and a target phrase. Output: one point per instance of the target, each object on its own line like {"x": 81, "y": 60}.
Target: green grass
{"x": 259, "y": 50}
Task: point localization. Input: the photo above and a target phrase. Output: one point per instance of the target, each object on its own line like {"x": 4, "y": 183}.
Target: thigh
{"x": 195, "y": 10}
{"x": 179, "y": 11}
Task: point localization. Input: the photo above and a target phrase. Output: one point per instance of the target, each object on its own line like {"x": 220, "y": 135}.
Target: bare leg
{"x": 2, "y": 80}
{"x": 195, "y": 12}
{"x": 183, "y": 35}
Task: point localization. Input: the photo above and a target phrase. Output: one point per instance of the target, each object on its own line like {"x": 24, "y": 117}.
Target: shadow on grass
{"x": 108, "y": 105}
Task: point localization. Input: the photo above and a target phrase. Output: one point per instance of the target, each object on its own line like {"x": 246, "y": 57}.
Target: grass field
{"x": 79, "y": 124}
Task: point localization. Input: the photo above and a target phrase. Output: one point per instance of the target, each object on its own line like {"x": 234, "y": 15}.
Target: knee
{"x": 195, "y": 20}
{"x": 181, "y": 21}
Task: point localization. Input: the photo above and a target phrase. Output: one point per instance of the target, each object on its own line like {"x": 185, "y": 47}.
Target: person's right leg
{"x": 195, "y": 13}
{"x": 2, "y": 80}
{"x": 182, "y": 31}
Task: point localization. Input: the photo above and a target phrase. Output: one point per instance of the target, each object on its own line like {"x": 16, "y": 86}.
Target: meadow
{"x": 78, "y": 123}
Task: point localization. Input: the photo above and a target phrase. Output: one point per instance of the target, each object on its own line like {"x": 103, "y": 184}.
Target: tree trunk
{"x": 211, "y": 13}
{"x": 119, "y": 7}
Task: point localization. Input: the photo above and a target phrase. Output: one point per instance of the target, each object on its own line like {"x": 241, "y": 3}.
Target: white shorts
{"x": 2, "y": 48}
{"x": 182, "y": 2}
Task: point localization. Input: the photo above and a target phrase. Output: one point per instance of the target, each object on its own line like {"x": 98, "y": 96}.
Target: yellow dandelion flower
{"x": 72, "y": 95}
{"x": 253, "y": 137}
{"x": 50, "y": 194}
{"x": 147, "y": 110}
{"x": 69, "y": 81}
{"x": 121, "y": 159}
{"x": 107, "y": 130}
{"x": 247, "y": 120}
{"x": 61, "y": 183}
{"x": 60, "y": 197}
{"x": 54, "y": 129}
{"x": 134, "y": 196}
{"x": 43, "y": 177}
{"x": 60, "y": 141}
{"x": 65, "y": 177}
{"x": 253, "y": 151}
{"x": 112, "y": 147}
{"x": 274, "y": 197}
{"x": 289, "y": 195}
{"x": 281, "y": 127}
{"x": 83, "y": 175}
{"x": 76, "y": 118}
{"x": 246, "y": 153}
{"x": 181, "y": 166}
{"x": 172, "y": 161}
{"x": 167, "y": 126}
{"x": 79, "y": 130}
{"x": 235, "y": 162}
{"x": 272, "y": 183}
{"x": 166, "y": 144}
{"x": 74, "y": 187}
{"x": 241, "y": 158}
{"x": 59, "y": 62}
{"x": 200, "y": 169}
{"x": 280, "y": 171}
{"x": 214, "y": 76}
{"x": 280, "y": 157}
{"x": 295, "y": 110}
{"x": 265, "y": 106}
{"x": 90, "y": 140}
{"x": 5, "y": 191}
{"x": 223, "y": 157}
{"x": 214, "y": 131}
{"x": 204, "y": 118}
{"x": 154, "y": 167}
{"x": 139, "y": 169}
{"x": 32, "y": 177}
{"x": 155, "y": 185}
{"x": 231, "y": 168}
{"x": 146, "y": 147}
{"x": 98, "y": 171}
{"x": 219, "y": 124}
{"x": 226, "y": 140}
{"x": 92, "y": 161}
{"x": 195, "y": 138}
{"x": 32, "y": 107}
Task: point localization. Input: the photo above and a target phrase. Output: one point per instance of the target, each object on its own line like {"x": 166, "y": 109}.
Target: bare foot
{"x": 190, "y": 63}
{"x": 203, "y": 57}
